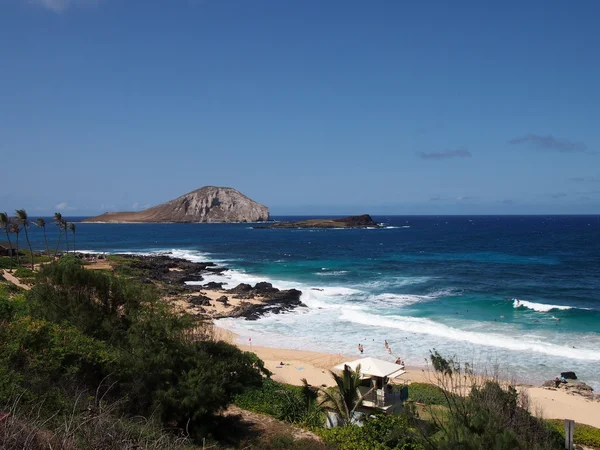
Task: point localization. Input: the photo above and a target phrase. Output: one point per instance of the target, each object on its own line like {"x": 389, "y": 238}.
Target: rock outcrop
{"x": 208, "y": 204}
{"x": 363, "y": 221}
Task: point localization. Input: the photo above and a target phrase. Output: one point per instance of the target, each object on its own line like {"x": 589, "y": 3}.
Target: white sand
{"x": 314, "y": 366}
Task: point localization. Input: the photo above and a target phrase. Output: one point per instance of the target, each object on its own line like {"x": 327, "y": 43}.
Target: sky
{"x": 306, "y": 106}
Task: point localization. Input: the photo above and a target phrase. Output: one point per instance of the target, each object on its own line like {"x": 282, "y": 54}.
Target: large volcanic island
{"x": 209, "y": 204}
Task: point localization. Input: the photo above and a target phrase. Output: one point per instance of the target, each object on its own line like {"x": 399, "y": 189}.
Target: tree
{"x": 72, "y": 230}
{"x": 41, "y": 223}
{"x": 15, "y": 228}
{"x": 5, "y": 223}
{"x": 23, "y": 219}
{"x": 58, "y": 221}
{"x": 63, "y": 226}
{"x": 344, "y": 399}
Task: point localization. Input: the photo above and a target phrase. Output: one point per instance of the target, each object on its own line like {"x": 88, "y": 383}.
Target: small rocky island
{"x": 363, "y": 221}
{"x": 209, "y": 204}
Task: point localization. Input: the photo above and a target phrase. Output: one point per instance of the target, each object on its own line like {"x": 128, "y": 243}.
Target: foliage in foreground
{"x": 583, "y": 434}
{"x": 490, "y": 416}
{"x": 284, "y": 402}
{"x": 379, "y": 432}
{"x": 85, "y": 331}
{"x": 428, "y": 394}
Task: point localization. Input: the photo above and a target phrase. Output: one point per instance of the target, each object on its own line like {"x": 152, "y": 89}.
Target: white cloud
{"x": 135, "y": 206}
{"x": 64, "y": 206}
{"x": 59, "y": 6}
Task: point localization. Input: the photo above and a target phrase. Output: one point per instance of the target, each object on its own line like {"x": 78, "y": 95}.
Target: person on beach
{"x": 390, "y": 350}
{"x": 360, "y": 348}
{"x": 386, "y": 344}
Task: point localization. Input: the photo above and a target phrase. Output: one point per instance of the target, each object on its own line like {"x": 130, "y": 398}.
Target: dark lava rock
{"x": 223, "y": 299}
{"x": 241, "y": 288}
{"x": 213, "y": 286}
{"x": 274, "y": 302}
{"x": 201, "y": 300}
{"x": 264, "y": 288}
{"x": 244, "y": 296}
{"x": 569, "y": 375}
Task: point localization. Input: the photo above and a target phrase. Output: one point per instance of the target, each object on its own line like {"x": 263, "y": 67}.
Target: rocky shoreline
{"x": 180, "y": 282}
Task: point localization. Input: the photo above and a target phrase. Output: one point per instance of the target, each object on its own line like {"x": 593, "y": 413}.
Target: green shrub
{"x": 426, "y": 393}
{"x": 380, "y": 432}
{"x": 24, "y": 272}
{"x": 582, "y": 435}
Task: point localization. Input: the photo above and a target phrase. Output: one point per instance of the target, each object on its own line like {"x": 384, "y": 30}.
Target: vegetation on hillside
{"x": 84, "y": 340}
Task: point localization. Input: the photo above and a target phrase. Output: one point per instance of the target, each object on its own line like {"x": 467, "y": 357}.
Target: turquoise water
{"x": 423, "y": 282}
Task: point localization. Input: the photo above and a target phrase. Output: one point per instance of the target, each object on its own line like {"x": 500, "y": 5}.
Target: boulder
{"x": 264, "y": 287}
{"x": 213, "y": 286}
{"x": 241, "y": 288}
{"x": 200, "y": 300}
{"x": 223, "y": 299}
{"x": 569, "y": 375}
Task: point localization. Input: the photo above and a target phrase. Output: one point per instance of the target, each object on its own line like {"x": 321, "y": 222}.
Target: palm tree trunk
{"x": 57, "y": 243}
{"x": 46, "y": 241}
{"x": 73, "y": 243}
{"x": 66, "y": 238}
{"x": 10, "y": 245}
{"x": 29, "y": 244}
{"x": 18, "y": 259}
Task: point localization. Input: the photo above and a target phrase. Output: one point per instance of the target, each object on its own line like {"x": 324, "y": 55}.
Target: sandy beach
{"x": 545, "y": 402}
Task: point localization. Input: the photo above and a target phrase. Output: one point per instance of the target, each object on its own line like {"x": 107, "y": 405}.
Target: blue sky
{"x": 310, "y": 107}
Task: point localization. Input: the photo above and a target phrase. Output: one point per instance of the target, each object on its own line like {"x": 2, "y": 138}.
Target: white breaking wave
{"x": 426, "y": 326}
{"x": 332, "y": 273}
{"x": 540, "y": 307}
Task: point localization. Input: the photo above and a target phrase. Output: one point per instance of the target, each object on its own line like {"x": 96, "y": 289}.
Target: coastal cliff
{"x": 363, "y": 221}
{"x": 209, "y": 204}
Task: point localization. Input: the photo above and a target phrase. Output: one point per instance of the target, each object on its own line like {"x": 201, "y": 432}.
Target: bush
{"x": 24, "y": 272}
{"x": 426, "y": 393}
{"x": 384, "y": 432}
{"x": 80, "y": 331}
{"x": 582, "y": 435}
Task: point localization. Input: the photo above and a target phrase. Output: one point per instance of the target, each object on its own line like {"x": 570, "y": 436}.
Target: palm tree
{"x": 58, "y": 221}
{"x": 15, "y": 228}
{"x": 344, "y": 399}
{"x": 5, "y": 223}
{"x": 24, "y": 220}
{"x": 41, "y": 223}
{"x": 72, "y": 230}
{"x": 63, "y": 226}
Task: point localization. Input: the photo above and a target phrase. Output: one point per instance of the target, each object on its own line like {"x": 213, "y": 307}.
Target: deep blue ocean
{"x": 447, "y": 282}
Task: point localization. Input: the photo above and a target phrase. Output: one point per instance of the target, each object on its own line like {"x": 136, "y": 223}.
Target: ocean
{"x": 449, "y": 283}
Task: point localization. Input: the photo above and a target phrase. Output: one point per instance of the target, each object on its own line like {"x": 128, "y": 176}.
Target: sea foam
{"x": 540, "y": 307}
{"x": 426, "y": 326}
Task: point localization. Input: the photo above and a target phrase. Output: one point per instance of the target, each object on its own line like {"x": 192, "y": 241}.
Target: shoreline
{"x": 547, "y": 403}
{"x": 314, "y": 365}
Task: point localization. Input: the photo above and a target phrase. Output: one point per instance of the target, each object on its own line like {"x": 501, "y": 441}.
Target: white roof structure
{"x": 373, "y": 367}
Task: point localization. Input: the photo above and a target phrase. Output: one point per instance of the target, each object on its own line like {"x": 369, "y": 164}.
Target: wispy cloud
{"x": 507, "y": 201}
{"x": 135, "y": 206}
{"x": 550, "y": 143}
{"x": 557, "y": 195}
{"x": 59, "y": 6}
{"x": 435, "y": 198}
{"x": 585, "y": 179}
{"x": 64, "y": 206}
{"x": 460, "y": 152}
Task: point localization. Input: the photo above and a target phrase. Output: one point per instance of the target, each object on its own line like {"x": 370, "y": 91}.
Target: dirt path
{"x": 269, "y": 425}
{"x": 14, "y": 280}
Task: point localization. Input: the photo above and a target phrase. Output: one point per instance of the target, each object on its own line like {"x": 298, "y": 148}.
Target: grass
{"x": 428, "y": 394}
{"x": 583, "y": 434}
